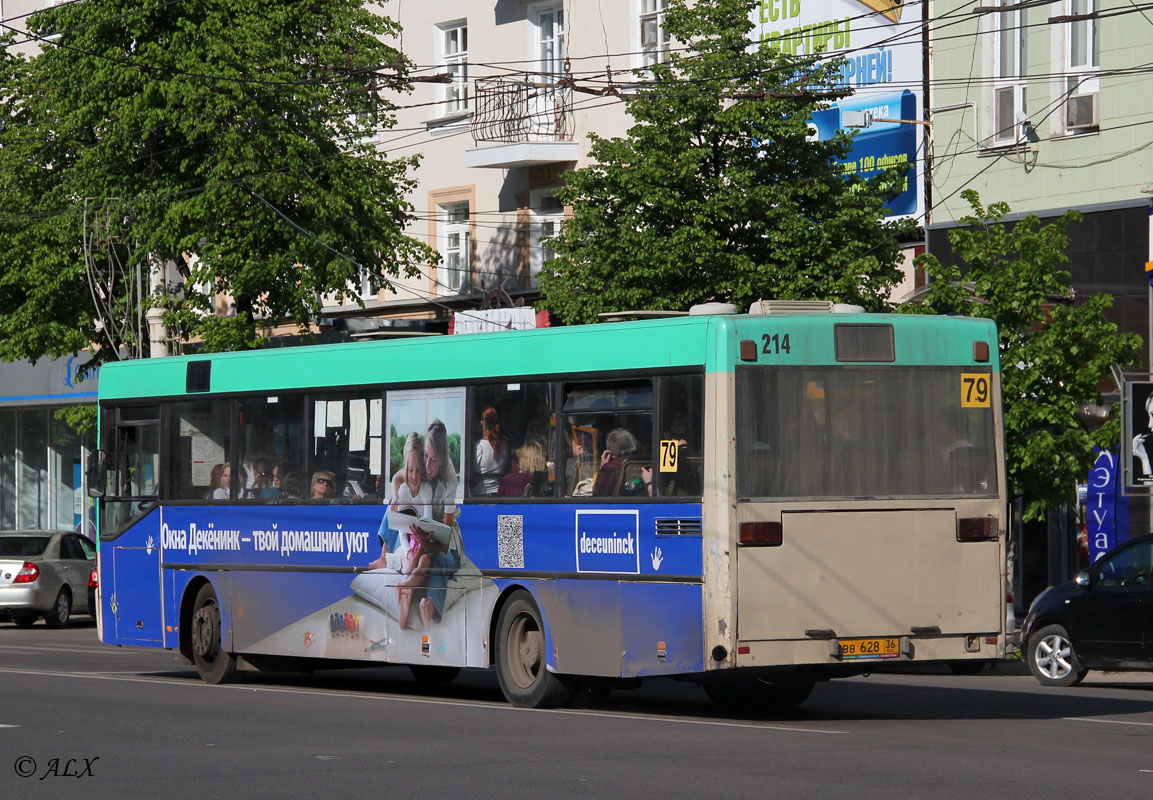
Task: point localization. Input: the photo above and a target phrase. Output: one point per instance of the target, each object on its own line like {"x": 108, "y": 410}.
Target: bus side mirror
{"x": 97, "y": 473}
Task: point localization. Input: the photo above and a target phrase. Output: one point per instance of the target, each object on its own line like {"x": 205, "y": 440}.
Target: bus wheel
{"x": 431, "y": 673}
{"x": 213, "y": 664}
{"x": 520, "y": 657}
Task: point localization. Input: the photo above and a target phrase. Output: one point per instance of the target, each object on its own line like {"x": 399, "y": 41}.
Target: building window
{"x": 653, "y": 36}
{"x": 454, "y": 56}
{"x": 1009, "y": 75}
{"x": 547, "y": 216}
{"x": 454, "y": 245}
{"x": 1081, "y": 61}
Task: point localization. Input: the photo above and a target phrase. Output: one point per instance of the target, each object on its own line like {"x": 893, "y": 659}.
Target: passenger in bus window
{"x": 224, "y": 491}
{"x": 263, "y": 485}
{"x": 620, "y": 444}
{"x": 292, "y": 485}
{"x": 685, "y": 480}
{"x": 491, "y": 455}
{"x": 214, "y": 482}
{"x": 530, "y": 474}
{"x": 323, "y": 485}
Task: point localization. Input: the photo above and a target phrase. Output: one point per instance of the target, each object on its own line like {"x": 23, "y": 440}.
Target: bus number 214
{"x": 775, "y": 344}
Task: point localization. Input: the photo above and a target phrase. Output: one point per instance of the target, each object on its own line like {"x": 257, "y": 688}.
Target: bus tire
{"x": 433, "y": 673}
{"x": 520, "y": 657}
{"x": 212, "y": 662}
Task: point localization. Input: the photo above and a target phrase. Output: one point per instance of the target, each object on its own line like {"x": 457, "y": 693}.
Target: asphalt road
{"x": 84, "y": 720}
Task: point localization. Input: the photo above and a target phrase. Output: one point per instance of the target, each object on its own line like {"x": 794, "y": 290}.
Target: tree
{"x": 717, "y": 192}
{"x": 229, "y": 137}
{"x": 1055, "y": 352}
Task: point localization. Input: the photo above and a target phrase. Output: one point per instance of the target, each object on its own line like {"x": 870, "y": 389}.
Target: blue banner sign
{"x": 1106, "y": 508}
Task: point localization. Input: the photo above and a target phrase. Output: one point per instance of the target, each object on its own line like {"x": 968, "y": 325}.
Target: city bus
{"x": 752, "y": 501}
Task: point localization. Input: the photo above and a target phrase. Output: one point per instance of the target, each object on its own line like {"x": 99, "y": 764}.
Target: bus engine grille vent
{"x": 671, "y": 526}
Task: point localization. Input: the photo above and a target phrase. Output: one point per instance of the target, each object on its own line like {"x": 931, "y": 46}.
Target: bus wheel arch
{"x": 520, "y": 657}
{"x": 213, "y": 661}
{"x": 187, "y": 604}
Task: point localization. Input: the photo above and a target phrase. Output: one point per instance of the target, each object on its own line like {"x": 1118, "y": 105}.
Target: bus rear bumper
{"x": 912, "y": 649}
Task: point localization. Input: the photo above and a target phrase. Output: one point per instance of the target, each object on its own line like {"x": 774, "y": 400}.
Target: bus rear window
{"x": 861, "y": 432}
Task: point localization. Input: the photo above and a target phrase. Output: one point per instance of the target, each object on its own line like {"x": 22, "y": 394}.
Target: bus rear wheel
{"x": 212, "y": 662}
{"x": 521, "y": 656}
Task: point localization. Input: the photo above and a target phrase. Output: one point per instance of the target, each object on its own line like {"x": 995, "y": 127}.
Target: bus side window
{"x": 339, "y": 458}
{"x": 511, "y": 423}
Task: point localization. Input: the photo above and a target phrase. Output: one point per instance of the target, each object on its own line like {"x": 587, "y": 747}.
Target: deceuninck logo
{"x": 608, "y": 541}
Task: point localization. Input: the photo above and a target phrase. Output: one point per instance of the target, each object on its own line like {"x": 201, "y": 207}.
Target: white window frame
{"x": 549, "y": 68}
{"x": 1077, "y": 72}
{"x": 1005, "y": 103}
{"x": 454, "y": 241}
{"x": 651, "y": 13}
{"x": 545, "y": 220}
{"x": 452, "y": 51}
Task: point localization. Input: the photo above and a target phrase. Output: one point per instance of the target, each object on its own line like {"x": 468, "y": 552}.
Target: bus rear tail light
{"x": 27, "y": 574}
{"x": 768, "y": 534}
{"x": 976, "y": 529}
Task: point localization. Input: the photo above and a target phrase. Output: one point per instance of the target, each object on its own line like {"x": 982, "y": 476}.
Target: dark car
{"x": 45, "y": 574}
{"x": 1103, "y": 619}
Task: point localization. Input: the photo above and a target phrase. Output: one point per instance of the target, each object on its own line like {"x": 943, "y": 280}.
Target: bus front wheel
{"x": 521, "y": 656}
{"x": 212, "y": 662}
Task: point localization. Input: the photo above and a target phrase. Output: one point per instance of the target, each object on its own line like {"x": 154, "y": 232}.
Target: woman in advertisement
{"x": 440, "y": 481}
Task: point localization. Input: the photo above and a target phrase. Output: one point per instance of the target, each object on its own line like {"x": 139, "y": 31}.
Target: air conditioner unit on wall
{"x": 1081, "y": 112}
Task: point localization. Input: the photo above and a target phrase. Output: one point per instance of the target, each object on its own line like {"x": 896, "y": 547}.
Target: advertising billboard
{"x": 880, "y": 42}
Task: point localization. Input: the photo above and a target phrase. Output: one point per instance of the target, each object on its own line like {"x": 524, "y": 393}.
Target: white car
{"x": 45, "y": 574}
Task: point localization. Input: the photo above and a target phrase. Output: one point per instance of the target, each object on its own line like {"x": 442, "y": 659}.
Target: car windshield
{"x": 23, "y": 546}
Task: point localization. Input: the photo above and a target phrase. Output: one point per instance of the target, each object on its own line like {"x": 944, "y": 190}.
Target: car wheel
{"x": 1051, "y": 657}
{"x": 212, "y": 662}
{"x": 520, "y": 657}
{"x": 61, "y": 610}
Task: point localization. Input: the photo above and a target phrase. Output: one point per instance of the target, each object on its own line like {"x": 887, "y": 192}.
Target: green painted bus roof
{"x": 707, "y": 342}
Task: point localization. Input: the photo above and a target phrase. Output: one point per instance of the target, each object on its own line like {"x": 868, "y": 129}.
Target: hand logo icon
{"x": 657, "y": 558}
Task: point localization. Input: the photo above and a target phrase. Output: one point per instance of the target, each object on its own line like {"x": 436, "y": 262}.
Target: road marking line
{"x": 421, "y": 700}
{"x": 1109, "y": 721}
{"x": 2, "y": 725}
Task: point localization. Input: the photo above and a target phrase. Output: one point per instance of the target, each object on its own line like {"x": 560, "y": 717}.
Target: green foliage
{"x": 182, "y": 126}
{"x": 81, "y": 419}
{"x": 1054, "y": 353}
{"x": 717, "y": 192}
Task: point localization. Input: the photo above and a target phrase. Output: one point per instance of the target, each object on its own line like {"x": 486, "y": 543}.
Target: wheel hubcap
{"x": 526, "y": 647}
{"x": 205, "y": 638}
{"x": 1053, "y": 657}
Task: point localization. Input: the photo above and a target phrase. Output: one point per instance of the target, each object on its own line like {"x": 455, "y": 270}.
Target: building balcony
{"x": 521, "y": 122}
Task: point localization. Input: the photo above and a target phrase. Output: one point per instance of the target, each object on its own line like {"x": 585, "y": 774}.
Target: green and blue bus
{"x": 756, "y": 502}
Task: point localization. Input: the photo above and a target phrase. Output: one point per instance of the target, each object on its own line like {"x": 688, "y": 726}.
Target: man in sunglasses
{"x": 323, "y": 485}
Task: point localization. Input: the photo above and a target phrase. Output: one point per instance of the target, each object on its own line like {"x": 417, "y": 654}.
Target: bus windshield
{"x": 862, "y": 431}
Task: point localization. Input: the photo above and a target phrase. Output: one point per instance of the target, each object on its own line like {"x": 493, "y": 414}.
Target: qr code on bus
{"x": 510, "y": 541}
